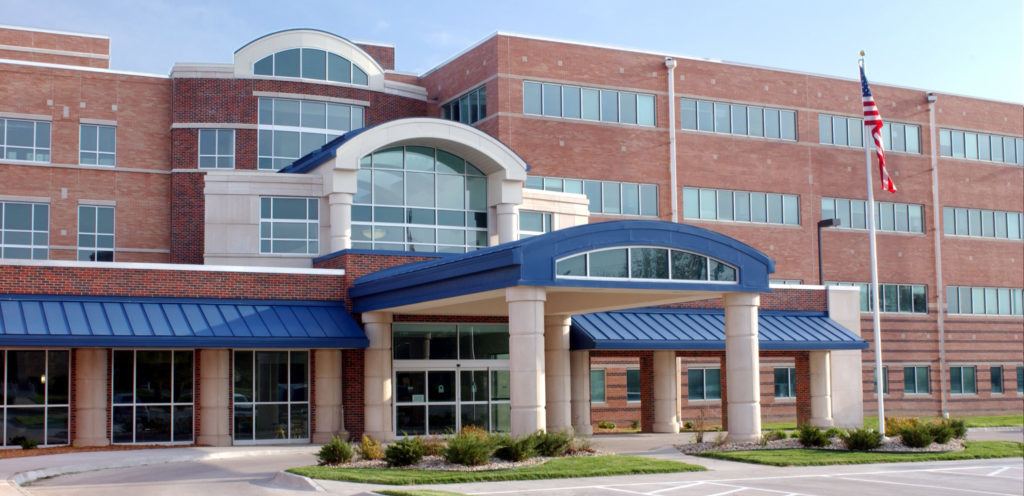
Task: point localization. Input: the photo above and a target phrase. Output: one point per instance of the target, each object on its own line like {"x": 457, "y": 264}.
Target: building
{"x": 190, "y": 272}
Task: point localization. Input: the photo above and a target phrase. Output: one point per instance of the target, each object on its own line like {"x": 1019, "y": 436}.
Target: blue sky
{"x": 968, "y": 48}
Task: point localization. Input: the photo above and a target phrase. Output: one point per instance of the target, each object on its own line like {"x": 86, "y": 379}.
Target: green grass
{"x": 416, "y": 492}
{"x": 808, "y": 457}
{"x": 872, "y": 422}
{"x": 558, "y": 468}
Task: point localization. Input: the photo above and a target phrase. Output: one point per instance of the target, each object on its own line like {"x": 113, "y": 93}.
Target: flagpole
{"x": 879, "y": 375}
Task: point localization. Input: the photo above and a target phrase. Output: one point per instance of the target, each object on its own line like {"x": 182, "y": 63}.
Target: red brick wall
{"x": 352, "y": 391}
{"x": 384, "y": 55}
{"x": 188, "y": 233}
{"x": 65, "y": 42}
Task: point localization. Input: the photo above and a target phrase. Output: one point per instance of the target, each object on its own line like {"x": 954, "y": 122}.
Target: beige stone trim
{"x": 315, "y": 98}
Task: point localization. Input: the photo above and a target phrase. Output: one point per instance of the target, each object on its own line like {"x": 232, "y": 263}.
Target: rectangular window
{"x": 575, "y": 102}
{"x": 95, "y": 233}
{"x": 289, "y": 129}
{"x": 467, "y": 108}
{"x": 533, "y": 223}
{"x": 915, "y": 380}
{"x": 996, "y": 379}
{"x": 962, "y": 221}
{"x": 216, "y": 148}
{"x": 741, "y": 120}
{"x": 885, "y": 379}
{"x": 609, "y": 197}
{"x": 704, "y": 384}
{"x": 24, "y": 230}
{"x": 97, "y": 145}
{"x": 892, "y": 217}
{"x": 742, "y": 206}
{"x": 597, "y": 389}
{"x": 962, "y": 380}
{"x": 289, "y": 225}
{"x": 25, "y": 140}
{"x": 982, "y": 300}
{"x": 633, "y": 385}
{"x": 848, "y": 131}
{"x": 980, "y": 146}
{"x": 36, "y": 401}
{"x": 902, "y": 298}
{"x": 1020, "y": 380}
{"x": 785, "y": 382}
{"x": 152, "y": 396}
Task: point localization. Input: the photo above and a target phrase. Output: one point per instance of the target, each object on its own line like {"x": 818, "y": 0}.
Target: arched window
{"x": 645, "y": 263}
{"x": 417, "y": 198}
{"x": 310, "y": 63}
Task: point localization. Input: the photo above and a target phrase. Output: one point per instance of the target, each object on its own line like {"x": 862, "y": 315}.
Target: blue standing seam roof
{"x": 100, "y": 321}
{"x": 693, "y": 329}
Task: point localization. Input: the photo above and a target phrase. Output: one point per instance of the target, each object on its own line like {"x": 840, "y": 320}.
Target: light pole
{"x": 823, "y": 223}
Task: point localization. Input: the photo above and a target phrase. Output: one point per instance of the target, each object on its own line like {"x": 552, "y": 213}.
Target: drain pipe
{"x": 936, "y": 213}
{"x": 670, "y": 63}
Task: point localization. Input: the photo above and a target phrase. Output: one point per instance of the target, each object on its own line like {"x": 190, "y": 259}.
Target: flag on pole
{"x": 873, "y": 119}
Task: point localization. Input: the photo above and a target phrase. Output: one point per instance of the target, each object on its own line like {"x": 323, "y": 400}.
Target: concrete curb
{"x": 296, "y": 482}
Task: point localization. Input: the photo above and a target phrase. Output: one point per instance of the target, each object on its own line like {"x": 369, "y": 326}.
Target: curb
{"x": 296, "y": 482}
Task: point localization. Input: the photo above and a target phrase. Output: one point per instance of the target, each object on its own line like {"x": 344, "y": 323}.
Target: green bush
{"x": 811, "y": 437}
{"x": 606, "y": 424}
{"x": 861, "y": 439}
{"x": 552, "y": 443}
{"x": 894, "y": 424}
{"x": 435, "y": 446}
{"x": 469, "y": 447}
{"x": 775, "y": 435}
{"x": 833, "y": 432}
{"x": 959, "y": 428}
{"x": 406, "y": 451}
{"x": 635, "y": 424}
{"x": 334, "y": 452}
{"x": 370, "y": 449}
{"x": 941, "y": 432}
{"x": 916, "y": 436}
{"x": 515, "y": 449}
{"x": 687, "y": 425}
{"x": 794, "y": 435}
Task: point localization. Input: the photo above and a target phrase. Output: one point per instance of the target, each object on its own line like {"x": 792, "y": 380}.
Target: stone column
{"x": 508, "y": 222}
{"x": 666, "y": 386}
{"x": 741, "y": 353}
{"x": 328, "y": 396}
{"x": 821, "y": 389}
{"x": 341, "y": 221}
{"x": 556, "y": 369}
{"x": 378, "y": 388}
{"x": 846, "y": 372}
{"x": 526, "y": 358}
{"x": 89, "y": 371}
{"x": 580, "y": 366}
{"x": 214, "y": 395}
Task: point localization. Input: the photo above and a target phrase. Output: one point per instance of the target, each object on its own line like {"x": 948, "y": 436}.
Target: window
{"x": 961, "y": 221}
{"x": 289, "y": 225}
{"x": 24, "y": 230}
{"x": 704, "y": 384}
{"x": 981, "y": 146}
{"x": 608, "y": 197}
{"x": 961, "y": 380}
{"x": 901, "y": 298}
{"x": 788, "y": 282}
{"x": 849, "y": 131}
{"x": 35, "y": 404}
{"x": 467, "y": 108}
{"x": 597, "y": 389}
{"x": 152, "y": 396}
{"x": 216, "y": 148}
{"x": 449, "y": 341}
{"x": 533, "y": 223}
{"x": 741, "y": 206}
{"x": 97, "y": 145}
{"x": 96, "y": 233}
{"x": 996, "y": 379}
{"x": 915, "y": 380}
{"x": 271, "y": 395}
{"x": 574, "y": 102}
{"x": 743, "y": 120}
{"x": 893, "y": 217}
{"x": 310, "y": 63}
{"x": 885, "y": 379}
{"x": 645, "y": 263}
{"x": 785, "y": 382}
{"x": 632, "y": 385}
{"x": 1020, "y": 380}
{"x": 416, "y": 198}
{"x": 289, "y": 129}
{"x": 25, "y": 140}
{"x": 981, "y": 300}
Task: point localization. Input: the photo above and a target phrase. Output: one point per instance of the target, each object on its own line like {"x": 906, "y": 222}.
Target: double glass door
{"x": 271, "y": 397}
{"x": 440, "y": 399}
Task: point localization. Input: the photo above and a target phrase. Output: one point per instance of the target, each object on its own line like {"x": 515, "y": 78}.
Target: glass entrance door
{"x": 440, "y": 401}
{"x": 271, "y": 398}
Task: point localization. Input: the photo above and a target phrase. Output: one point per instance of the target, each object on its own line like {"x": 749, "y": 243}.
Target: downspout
{"x": 936, "y": 213}
{"x": 670, "y": 63}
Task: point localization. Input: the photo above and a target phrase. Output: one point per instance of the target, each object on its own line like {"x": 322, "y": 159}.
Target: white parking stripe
{"x": 684, "y": 486}
{"x": 876, "y": 481}
{"x": 613, "y": 488}
{"x": 738, "y": 489}
{"x": 997, "y": 472}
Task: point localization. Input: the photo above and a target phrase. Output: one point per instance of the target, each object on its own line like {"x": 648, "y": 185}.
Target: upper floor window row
{"x": 24, "y": 230}
{"x": 25, "y": 140}
{"x": 468, "y": 108}
{"x": 981, "y": 300}
{"x": 744, "y": 120}
{"x": 741, "y": 206}
{"x": 641, "y": 262}
{"x": 849, "y": 131}
{"x": 591, "y": 104}
{"x": 981, "y": 146}
{"x": 894, "y": 217}
{"x": 982, "y": 223}
{"x": 894, "y": 298}
{"x": 289, "y": 225}
{"x": 97, "y": 145}
{"x": 310, "y": 63}
{"x": 289, "y": 129}
{"x": 606, "y": 197}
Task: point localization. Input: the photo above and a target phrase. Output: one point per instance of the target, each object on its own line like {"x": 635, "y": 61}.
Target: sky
{"x": 948, "y": 46}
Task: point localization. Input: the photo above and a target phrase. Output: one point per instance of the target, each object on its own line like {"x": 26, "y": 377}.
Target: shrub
{"x": 606, "y": 424}
{"x": 775, "y": 435}
{"x": 552, "y": 443}
{"x": 435, "y": 446}
{"x": 687, "y": 425}
{"x": 941, "y": 432}
{"x": 515, "y": 449}
{"x": 833, "y": 432}
{"x": 370, "y": 449}
{"x": 811, "y": 437}
{"x": 471, "y": 446}
{"x": 635, "y": 424}
{"x": 959, "y": 428}
{"x": 580, "y": 445}
{"x": 334, "y": 452}
{"x": 861, "y": 439}
{"x": 916, "y": 436}
{"x": 894, "y": 424}
{"x": 794, "y": 435}
{"x": 407, "y": 451}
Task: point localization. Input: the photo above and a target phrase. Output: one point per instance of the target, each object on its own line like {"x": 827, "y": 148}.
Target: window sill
{"x": 984, "y": 315}
{"x": 745, "y": 223}
{"x": 736, "y": 135}
{"x": 785, "y": 399}
{"x": 703, "y": 402}
{"x": 985, "y": 238}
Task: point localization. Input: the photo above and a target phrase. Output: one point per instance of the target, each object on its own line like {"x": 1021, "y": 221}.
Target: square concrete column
{"x": 526, "y": 358}
{"x": 508, "y": 222}
{"x": 378, "y": 388}
{"x": 580, "y": 366}
{"x": 666, "y": 386}
{"x": 327, "y": 373}
{"x": 743, "y": 375}
{"x": 340, "y": 207}
{"x": 89, "y": 371}
{"x": 821, "y": 389}
{"x": 556, "y": 369}
{"x": 214, "y": 393}
{"x": 847, "y": 390}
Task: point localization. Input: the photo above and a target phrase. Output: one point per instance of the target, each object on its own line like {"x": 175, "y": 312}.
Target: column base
{"x": 527, "y": 420}
{"x": 383, "y": 436}
{"x": 821, "y": 422}
{"x": 323, "y": 437}
{"x": 90, "y": 442}
{"x": 666, "y": 427}
{"x": 583, "y": 430}
{"x": 558, "y": 416}
{"x": 213, "y": 440}
{"x": 744, "y": 422}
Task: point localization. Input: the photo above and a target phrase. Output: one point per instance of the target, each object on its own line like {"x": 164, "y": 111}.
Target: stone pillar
{"x": 556, "y": 372}
{"x": 341, "y": 221}
{"x": 214, "y": 394}
{"x": 508, "y": 222}
{"x": 526, "y": 358}
{"x": 821, "y": 389}
{"x": 666, "y": 386}
{"x": 580, "y": 366}
{"x": 741, "y": 352}
{"x": 847, "y": 390}
{"x": 327, "y": 372}
{"x": 378, "y": 388}
{"x": 89, "y": 371}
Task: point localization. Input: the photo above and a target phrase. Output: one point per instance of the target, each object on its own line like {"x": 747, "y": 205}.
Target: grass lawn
{"x": 557, "y": 468}
{"x": 872, "y": 422}
{"x": 808, "y": 457}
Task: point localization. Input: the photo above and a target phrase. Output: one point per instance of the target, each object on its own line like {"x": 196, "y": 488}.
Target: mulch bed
{"x": 893, "y": 445}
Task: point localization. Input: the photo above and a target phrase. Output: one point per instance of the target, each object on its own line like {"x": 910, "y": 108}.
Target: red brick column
{"x": 802, "y": 366}
{"x": 646, "y": 391}
{"x": 725, "y": 394}
{"x": 352, "y": 391}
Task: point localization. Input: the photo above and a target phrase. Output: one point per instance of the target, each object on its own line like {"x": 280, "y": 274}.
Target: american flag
{"x": 873, "y": 119}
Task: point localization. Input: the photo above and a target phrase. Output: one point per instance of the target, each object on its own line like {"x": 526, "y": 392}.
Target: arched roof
{"x": 275, "y": 42}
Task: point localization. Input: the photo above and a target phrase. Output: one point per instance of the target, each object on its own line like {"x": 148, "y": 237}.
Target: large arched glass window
{"x": 645, "y": 263}
{"x": 417, "y": 198}
{"x": 310, "y": 63}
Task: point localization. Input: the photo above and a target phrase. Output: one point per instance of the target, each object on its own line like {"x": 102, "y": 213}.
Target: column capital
{"x": 560, "y": 319}
{"x": 741, "y": 299}
{"x": 506, "y": 208}
{"x": 338, "y": 197}
{"x": 377, "y": 317}
{"x": 525, "y": 293}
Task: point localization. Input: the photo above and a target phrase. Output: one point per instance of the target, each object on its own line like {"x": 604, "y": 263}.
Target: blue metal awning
{"x": 698, "y": 329}
{"x": 100, "y": 321}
